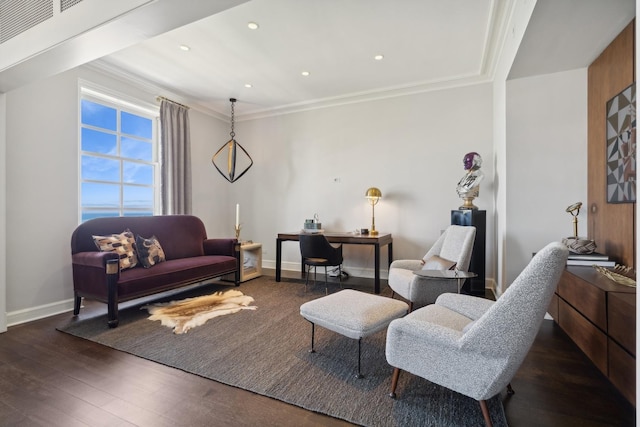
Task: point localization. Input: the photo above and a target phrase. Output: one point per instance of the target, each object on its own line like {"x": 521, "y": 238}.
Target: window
{"x": 118, "y": 157}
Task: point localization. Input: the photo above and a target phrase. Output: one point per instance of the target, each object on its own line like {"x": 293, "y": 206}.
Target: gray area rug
{"x": 266, "y": 351}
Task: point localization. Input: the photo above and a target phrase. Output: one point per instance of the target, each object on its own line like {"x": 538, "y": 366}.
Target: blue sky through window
{"x": 117, "y": 161}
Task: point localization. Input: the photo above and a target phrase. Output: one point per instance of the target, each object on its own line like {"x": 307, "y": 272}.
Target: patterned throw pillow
{"x": 122, "y": 244}
{"x": 149, "y": 250}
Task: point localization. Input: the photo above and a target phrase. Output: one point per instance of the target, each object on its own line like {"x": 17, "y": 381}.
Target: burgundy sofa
{"x": 190, "y": 258}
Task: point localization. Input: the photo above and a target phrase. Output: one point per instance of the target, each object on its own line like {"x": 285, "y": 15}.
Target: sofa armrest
{"x": 220, "y": 247}
{"x": 93, "y": 259}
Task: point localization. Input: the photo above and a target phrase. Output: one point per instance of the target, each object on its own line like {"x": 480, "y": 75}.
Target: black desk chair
{"x": 316, "y": 251}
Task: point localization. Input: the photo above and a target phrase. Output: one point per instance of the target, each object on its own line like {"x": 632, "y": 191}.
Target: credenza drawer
{"x": 591, "y": 340}
{"x": 589, "y": 300}
{"x": 622, "y": 320}
{"x": 553, "y": 307}
{"x": 622, "y": 370}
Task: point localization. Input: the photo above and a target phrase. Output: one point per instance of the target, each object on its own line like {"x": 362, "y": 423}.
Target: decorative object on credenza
{"x": 578, "y": 245}
{"x": 232, "y": 160}
{"x": 373, "y": 195}
{"x": 616, "y": 275}
{"x": 621, "y": 147}
{"x": 469, "y": 185}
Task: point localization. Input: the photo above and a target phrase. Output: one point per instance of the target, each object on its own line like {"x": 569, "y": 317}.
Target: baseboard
{"x": 40, "y": 312}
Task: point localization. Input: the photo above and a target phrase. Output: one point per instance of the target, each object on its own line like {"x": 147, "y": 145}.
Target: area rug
{"x": 266, "y": 351}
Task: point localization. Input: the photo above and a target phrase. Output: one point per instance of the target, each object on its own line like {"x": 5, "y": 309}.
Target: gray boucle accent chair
{"x": 472, "y": 345}
{"x": 453, "y": 249}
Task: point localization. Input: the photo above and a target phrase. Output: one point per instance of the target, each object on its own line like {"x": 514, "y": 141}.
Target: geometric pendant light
{"x": 232, "y": 160}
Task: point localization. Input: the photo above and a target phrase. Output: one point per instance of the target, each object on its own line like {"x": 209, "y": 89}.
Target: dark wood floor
{"x": 53, "y": 379}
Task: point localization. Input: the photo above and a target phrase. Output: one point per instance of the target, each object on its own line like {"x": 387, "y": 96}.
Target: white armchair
{"x": 472, "y": 345}
{"x": 453, "y": 249}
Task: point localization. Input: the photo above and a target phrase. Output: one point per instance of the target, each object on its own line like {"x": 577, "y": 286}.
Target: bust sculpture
{"x": 469, "y": 185}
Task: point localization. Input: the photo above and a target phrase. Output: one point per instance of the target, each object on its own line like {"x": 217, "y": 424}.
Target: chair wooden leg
{"x": 510, "y": 389}
{"x": 393, "y": 294}
{"x": 485, "y": 413}
{"x": 394, "y": 382}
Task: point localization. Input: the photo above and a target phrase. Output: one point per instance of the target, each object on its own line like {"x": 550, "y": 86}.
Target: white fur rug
{"x": 191, "y": 312}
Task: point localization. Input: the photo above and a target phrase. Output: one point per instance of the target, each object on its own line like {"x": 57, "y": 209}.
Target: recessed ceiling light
{"x": 305, "y": 73}
{"x": 185, "y": 47}
{"x": 253, "y": 25}
{"x": 378, "y": 57}
{"x": 248, "y": 85}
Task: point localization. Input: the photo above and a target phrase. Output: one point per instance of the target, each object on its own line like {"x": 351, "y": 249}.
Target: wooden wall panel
{"x": 610, "y": 225}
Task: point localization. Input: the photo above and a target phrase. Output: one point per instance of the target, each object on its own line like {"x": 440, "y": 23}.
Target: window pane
{"x": 100, "y": 169}
{"x": 136, "y": 149}
{"x": 138, "y": 213}
{"x": 99, "y": 115}
{"x": 136, "y": 173}
{"x": 87, "y": 215}
{"x": 99, "y": 142}
{"x": 96, "y": 195}
{"x": 136, "y": 125}
{"x": 138, "y": 197}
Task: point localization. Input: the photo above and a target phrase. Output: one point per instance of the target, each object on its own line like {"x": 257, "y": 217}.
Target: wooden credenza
{"x": 599, "y": 315}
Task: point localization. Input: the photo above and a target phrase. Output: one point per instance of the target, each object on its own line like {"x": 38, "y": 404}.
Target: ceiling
{"x": 426, "y": 44}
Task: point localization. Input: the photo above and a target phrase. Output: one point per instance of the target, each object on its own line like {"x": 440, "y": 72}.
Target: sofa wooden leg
{"x": 77, "y": 302}
{"x": 394, "y": 382}
{"x": 113, "y": 269}
{"x": 485, "y": 413}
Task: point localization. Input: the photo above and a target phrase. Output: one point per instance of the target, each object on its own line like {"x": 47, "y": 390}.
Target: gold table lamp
{"x": 374, "y": 195}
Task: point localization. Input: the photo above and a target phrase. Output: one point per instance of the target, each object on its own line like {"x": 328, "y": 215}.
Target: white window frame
{"x": 94, "y": 93}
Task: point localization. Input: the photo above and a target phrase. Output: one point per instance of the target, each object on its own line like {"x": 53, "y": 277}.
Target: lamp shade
{"x": 373, "y": 193}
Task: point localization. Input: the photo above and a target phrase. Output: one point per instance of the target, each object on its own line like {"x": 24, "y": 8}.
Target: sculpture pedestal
{"x": 477, "y": 218}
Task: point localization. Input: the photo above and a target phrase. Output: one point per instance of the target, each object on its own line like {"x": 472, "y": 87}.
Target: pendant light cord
{"x": 233, "y": 134}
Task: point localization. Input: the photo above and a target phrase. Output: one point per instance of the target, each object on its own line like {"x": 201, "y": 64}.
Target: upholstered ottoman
{"x": 353, "y": 314}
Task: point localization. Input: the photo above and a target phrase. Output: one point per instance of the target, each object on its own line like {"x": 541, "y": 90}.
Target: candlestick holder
{"x": 237, "y": 228}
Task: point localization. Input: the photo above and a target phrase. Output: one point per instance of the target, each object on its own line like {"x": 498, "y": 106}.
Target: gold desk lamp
{"x": 576, "y": 244}
{"x": 374, "y": 195}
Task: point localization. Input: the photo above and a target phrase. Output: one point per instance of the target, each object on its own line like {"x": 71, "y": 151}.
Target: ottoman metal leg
{"x": 359, "y": 375}
{"x": 313, "y": 333}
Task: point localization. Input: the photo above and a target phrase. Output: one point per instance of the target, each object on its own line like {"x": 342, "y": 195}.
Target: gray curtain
{"x": 175, "y": 158}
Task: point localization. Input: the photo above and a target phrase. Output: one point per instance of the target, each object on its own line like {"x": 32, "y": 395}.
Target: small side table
{"x": 250, "y": 261}
{"x": 461, "y": 276}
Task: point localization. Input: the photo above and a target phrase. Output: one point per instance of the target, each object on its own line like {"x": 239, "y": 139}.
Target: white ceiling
{"x": 426, "y": 44}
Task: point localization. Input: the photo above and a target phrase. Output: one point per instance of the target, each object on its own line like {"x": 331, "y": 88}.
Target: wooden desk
{"x": 346, "y": 239}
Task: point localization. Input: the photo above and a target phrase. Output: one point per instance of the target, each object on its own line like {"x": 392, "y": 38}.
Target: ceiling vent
{"x": 66, "y": 4}
{"x": 17, "y": 16}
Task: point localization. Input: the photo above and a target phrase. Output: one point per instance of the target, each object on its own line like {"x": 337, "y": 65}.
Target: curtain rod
{"x": 162, "y": 98}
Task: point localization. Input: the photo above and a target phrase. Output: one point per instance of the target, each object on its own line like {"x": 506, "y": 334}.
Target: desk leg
{"x": 278, "y": 259}
{"x": 377, "y": 268}
{"x": 390, "y": 253}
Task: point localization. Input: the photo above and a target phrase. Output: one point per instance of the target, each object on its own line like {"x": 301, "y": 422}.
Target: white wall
{"x": 546, "y": 162}
{"x": 322, "y": 161}
{"x": 520, "y": 15}
{"x": 42, "y": 164}
{"x": 211, "y": 193}
{"x": 3, "y": 222}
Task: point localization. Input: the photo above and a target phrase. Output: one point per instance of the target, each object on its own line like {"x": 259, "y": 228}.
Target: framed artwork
{"x": 621, "y": 147}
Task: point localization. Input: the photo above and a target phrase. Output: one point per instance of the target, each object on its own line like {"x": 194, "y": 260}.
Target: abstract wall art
{"x": 621, "y": 147}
